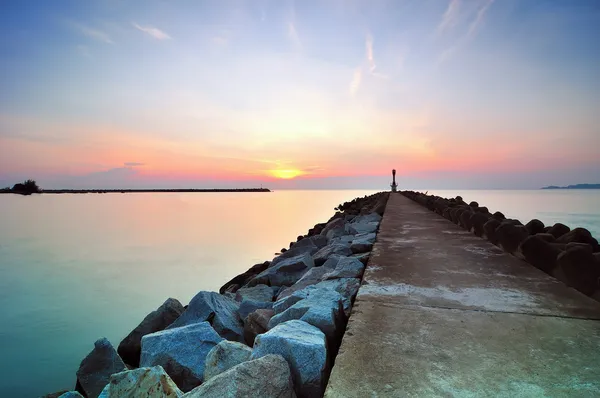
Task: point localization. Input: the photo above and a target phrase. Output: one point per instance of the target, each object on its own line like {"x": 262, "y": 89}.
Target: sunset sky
{"x": 304, "y": 94}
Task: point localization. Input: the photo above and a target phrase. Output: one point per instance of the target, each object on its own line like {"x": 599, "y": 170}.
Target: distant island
{"x": 576, "y": 186}
{"x": 30, "y": 187}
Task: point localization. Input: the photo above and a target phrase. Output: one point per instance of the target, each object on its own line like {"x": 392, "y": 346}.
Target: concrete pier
{"x": 443, "y": 313}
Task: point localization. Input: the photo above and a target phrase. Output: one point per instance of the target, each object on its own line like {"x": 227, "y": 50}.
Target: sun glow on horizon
{"x": 286, "y": 174}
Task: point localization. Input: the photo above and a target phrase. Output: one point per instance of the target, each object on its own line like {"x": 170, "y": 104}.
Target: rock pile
{"x": 273, "y": 331}
{"x": 572, "y": 256}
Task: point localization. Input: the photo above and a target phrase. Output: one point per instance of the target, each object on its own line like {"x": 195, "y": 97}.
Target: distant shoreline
{"x": 576, "y": 186}
{"x": 82, "y": 191}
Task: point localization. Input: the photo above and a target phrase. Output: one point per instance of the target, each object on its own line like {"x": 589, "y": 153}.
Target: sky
{"x": 471, "y": 94}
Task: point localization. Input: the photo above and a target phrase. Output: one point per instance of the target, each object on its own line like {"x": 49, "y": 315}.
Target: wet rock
{"x": 361, "y": 246}
{"x": 362, "y": 257}
{"x": 225, "y": 356}
{"x": 256, "y": 323}
{"x": 221, "y": 311}
{"x": 265, "y": 377}
{"x": 322, "y": 255}
{"x": 535, "y": 226}
{"x": 581, "y": 269}
{"x": 558, "y": 230}
{"x": 131, "y": 346}
{"x": 465, "y": 219}
{"x": 579, "y": 235}
{"x": 242, "y": 279}
{"x": 256, "y": 293}
{"x": 540, "y": 253}
{"x": 181, "y": 352}
{"x": 286, "y": 272}
{"x": 304, "y": 347}
{"x": 490, "y": 230}
{"x": 510, "y": 236}
{"x": 95, "y": 369}
{"x": 149, "y": 382}
{"x": 478, "y": 220}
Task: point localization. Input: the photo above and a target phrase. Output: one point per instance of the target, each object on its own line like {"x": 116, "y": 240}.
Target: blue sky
{"x": 453, "y": 94}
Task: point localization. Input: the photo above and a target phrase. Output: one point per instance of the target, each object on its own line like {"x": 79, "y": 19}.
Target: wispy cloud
{"x": 84, "y": 51}
{"x": 369, "y": 46}
{"x": 152, "y": 31}
{"x": 455, "y": 14}
{"x": 479, "y": 18}
{"x": 132, "y": 164}
{"x": 293, "y": 34}
{"x": 355, "y": 83}
{"x": 450, "y": 17}
{"x": 94, "y": 33}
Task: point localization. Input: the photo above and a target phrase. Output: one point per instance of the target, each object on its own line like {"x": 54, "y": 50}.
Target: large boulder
{"x": 346, "y": 267}
{"x": 96, "y": 368}
{"x": 535, "y": 226}
{"x": 323, "y": 309}
{"x": 224, "y": 356}
{"x": 477, "y": 221}
{"x": 580, "y": 269}
{"x": 490, "y": 230}
{"x": 333, "y": 224}
{"x": 510, "y": 236}
{"x": 151, "y": 382}
{"x": 347, "y": 287}
{"x": 312, "y": 277}
{"x": 579, "y": 235}
{"x": 265, "y": 377}
{"x": 540, "y": 253}
{"x": 242, "y": 279}
{"x": 356, "y": 228}
{"x": 286, "y": 272}
{"x": 367, "y": 218}
{"x": 221, "y": 311}
{"x": 249, "y": 306}
{"x": 131, "y": 346}
{"x": 256, "y": 293}
{"x": 304, "y": 347}
{"x": 465, "y": 219}
{"x": 558, "y": 230}
{"x": 361, "y": 246}
{"x": 181, "y": 352}
{"x": 296, "y": 250}
{"x": 256, "y": 323}
{"x": 337, "y": 248}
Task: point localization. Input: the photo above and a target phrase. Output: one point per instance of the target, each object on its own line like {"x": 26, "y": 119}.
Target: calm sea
{"x": 74, "y": 268}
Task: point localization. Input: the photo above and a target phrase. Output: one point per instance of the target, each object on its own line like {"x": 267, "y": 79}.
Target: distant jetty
{"x": 576, "y": 186}
{"x": 78, "y": 191}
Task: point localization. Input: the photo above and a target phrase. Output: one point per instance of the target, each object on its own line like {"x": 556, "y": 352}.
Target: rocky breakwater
{"x": 273, "y": 331}
{"x": 570, "y": 255}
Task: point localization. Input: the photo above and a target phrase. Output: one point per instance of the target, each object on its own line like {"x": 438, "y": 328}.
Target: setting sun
{"x": 285, "y": 174}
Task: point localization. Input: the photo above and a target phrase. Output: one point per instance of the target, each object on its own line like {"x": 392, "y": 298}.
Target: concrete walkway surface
{"x": 444, "y": 313}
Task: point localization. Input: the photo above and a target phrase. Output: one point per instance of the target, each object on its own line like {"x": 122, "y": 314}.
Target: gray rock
{"x": 131, "y": 346}
{"x": 151, "y": 382}
{"x": 256, "y": 323}
{"x": 336, "y": 233}
{"x": 323, "y": 309}
{"x": 312, "y": 277}
{"x": 286, "y": 272}
{"x": 256, "y": 293}
{"x": 304, "y": 347}
{"x": 361, "y": 228}
{"x": 367, "y": 218}
{"x": 337, "y": 223}
{"x": 337, "y": 248}
{"x": 309, "y": 248}
{"x": 95, "y": 369}
{"x": 361, "y": 246}
{"x": 369, "y": 237}
{"x": 347, "y": 267}
{"x": 265, "y": 377}
{"x": 344, "y": 239}
{"x": 71, "y": 394}
{"x": 181, "y": 352}
{"x": 221, "y": 311}
{"x": 316, "y": 240}
{"x": 104, "y": 393}
{"x": 248, "y": 306}
{"x": 225, "y": 356}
